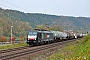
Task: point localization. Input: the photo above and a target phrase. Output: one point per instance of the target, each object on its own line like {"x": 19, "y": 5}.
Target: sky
{"x": 77, "y": 8}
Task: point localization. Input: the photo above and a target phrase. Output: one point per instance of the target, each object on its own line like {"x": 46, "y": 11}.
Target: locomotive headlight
{"x": 35, "y": 38}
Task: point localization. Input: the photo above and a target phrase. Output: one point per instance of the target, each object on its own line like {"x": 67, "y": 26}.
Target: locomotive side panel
{"x": 46, "y": 37}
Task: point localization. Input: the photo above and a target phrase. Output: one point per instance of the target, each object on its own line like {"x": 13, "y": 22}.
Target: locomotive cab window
{"x": 32, "y": 33}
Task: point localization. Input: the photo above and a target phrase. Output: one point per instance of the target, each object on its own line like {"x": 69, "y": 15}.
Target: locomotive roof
{"x": 40, "y": 31}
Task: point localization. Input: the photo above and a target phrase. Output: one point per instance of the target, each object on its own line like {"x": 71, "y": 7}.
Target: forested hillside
{"x": 25, "y": 21}
{"x": 6, "y": 21}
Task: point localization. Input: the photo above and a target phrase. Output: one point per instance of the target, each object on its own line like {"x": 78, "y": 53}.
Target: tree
{"x": 22, "y": 39}
{"x": 56, "y": 28}
{"x": 39, "y": 26}
{"x": 3, "y": 39}
{"x": 1, "y": 31}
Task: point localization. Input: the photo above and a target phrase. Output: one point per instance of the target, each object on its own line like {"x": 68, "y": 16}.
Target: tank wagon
{"x": 58, "y": 36}
{"x": 63, "y": 35}
{"x": 70, "y": 34}
{"x": 80, "y": 35}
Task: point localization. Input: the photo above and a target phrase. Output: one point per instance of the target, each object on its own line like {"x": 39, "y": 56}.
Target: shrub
{"x": 86, "y": 38}
{"x": 3, "y": 39}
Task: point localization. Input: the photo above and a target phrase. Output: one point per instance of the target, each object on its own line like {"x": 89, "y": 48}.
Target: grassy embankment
{"x": 12, "y": 46}
{"x": 78, "y": 51}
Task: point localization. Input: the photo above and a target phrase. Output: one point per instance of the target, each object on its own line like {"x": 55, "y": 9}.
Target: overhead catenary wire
{"x": 4, "y": 6}
{"x": 12, "y": 5}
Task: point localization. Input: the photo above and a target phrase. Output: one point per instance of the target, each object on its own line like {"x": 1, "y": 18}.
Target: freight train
{"x": 39, "y": 37}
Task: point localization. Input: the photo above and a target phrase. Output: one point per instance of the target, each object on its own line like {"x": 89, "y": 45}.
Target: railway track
{"x": 13, "y": 49}
{"x": 14, "y": 53}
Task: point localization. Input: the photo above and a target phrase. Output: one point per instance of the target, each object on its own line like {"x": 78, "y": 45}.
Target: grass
{"x": 79, "y": 51}
{"x": 13, "y": 46}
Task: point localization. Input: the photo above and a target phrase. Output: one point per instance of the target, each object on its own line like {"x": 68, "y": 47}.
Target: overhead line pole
{"x": 11, "y": 34}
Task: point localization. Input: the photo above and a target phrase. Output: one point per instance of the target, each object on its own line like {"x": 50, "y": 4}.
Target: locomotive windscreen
{"x": 32, "y": 33}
